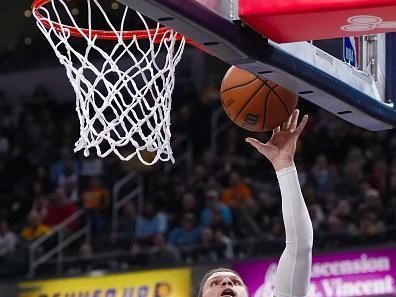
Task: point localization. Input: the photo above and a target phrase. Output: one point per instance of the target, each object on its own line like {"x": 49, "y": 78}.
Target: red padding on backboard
{"x": 297, "y": 20}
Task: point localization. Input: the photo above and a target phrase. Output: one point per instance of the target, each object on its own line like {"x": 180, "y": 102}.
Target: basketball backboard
{"x": 362, "y": 95}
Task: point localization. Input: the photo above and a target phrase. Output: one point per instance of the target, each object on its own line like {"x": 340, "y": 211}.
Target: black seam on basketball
{"x": 238, "y": 86}
{"x": 283, "y": 103}
{"x": 271, "y": 89}
{"x": 266, "y": 104}
{"x": 248, "y": 101}
{"x": 265, "y": 81}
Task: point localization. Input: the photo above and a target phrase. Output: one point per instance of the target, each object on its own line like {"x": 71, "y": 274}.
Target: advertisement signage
{"x": 156, "y": 283}
{"x": 348, "y": 274}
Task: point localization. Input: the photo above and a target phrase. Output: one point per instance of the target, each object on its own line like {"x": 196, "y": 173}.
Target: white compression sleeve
{"x": 294, "y": 268}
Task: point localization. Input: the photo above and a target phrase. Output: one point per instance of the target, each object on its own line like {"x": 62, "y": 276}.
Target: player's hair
{"x": 209, "y": 273}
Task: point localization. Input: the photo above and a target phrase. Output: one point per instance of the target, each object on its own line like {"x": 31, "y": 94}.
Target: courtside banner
{"x": 156, "y": 283}
{"x": 366, "y": 273}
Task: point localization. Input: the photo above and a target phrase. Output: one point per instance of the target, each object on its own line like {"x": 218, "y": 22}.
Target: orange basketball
{"x": 255, "y": 103}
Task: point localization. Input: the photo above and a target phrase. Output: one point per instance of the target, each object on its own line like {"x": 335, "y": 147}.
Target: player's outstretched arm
{"x": 294, "y": 268}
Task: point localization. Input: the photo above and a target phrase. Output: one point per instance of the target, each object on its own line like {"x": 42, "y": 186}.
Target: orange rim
{"x": 101, "y": 34}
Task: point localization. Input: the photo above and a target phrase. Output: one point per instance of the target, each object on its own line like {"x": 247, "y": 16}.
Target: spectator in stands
{"x": 69, "y": 181}
{"x": 188, "y": 204}
{"x": 211, "y": 161}
{"x": 321, "y": 174}
{"x": 150, "y": 223}
{"x": 373, "y": 202}
{"x": 8, "y": 240}
{"x": 187, "y": 233}
{"x": 161, "y": 252}
{"x": 210, "y": 94}
{"x": 19, "y": 203}
{"x": 34, "y": 228}
{"x": 343, "y": 210}
{"x": 185, "y": 236}
{"x": 209, "y": 249}
{"x": 40, "y": 205}
{"x": 39, "y": 189}
{"x": 224, "y": 244}
{"x": 96, "y": 200}
{"x": 238, "y": 196}
{"x": 310, "y": 194}
{"x": 352, "y": 177}
{"x": 215, "y": 213}
{"x": 212, "y": 184}
{"x": 59, "y": 209}
{"x": 238, "y": 193}
{"x": 178, "y": 187}
{"x": 96, "y": 197}
{"x": 356, "y": 156}
{"x": 41, "y": 176}
{"x": 199, "y": 177}
{"x": 65, "y": 168}
{"x": 232, "y": 146}
{"x": 329, "y": 199}
{"x": 266, "y": 209}
{"x": 126, "y": 228}
{"x": 379, "y": 176}
{"x": 335, "y": 231}
{"x": 277, "y": 231}
{"x": 369, "y": 227}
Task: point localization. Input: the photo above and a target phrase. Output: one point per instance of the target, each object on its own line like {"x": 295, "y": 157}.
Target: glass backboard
{"x": 362, "y": 94}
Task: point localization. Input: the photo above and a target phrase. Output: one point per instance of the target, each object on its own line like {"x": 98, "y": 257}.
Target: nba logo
{"x": 351, "y": 51}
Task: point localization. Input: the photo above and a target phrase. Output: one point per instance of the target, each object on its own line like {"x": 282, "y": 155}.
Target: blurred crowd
{"x": 227, "y": 206}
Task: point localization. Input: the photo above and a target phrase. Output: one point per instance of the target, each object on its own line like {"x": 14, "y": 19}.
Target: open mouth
{"x": 228, "y": 292}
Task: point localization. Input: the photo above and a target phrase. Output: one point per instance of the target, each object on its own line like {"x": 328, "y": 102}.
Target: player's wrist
{"x": 283, "y": 163}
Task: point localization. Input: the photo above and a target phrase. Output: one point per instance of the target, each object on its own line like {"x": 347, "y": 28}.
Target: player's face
{"x": 224, "y": 284}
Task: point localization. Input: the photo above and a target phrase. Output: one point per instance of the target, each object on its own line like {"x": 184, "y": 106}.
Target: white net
{"x": 123, "y": 86}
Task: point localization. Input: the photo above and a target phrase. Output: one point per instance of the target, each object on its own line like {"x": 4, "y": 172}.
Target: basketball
{"x": 255, "y": 103}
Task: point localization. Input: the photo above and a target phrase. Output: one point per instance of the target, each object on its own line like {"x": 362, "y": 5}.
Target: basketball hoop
{"x": 123, "y": 90}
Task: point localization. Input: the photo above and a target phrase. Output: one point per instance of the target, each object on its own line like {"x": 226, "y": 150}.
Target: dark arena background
{"x": 76, "y": 226}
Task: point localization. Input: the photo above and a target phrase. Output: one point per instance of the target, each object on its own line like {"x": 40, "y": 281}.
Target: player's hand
{"x": 280, "y": 149}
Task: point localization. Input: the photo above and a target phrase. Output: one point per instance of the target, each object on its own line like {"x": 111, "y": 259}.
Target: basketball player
{"x": 294, "y": 268}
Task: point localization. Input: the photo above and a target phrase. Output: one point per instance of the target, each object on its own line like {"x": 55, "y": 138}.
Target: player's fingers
{"x": 293, "y": 120}
{"x": 284, "y": 126}
{"x": 254, "y": 142}
{"x": 276, "y": 130}
{"x": 302, "y": 124}
{"x": 288, "y": 122}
